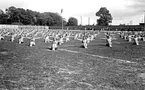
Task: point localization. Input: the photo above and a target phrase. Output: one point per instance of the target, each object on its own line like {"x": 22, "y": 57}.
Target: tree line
{"x": 20, "y": 16}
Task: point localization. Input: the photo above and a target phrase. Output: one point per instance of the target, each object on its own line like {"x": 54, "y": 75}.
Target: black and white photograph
{"x": 72, "y": 44}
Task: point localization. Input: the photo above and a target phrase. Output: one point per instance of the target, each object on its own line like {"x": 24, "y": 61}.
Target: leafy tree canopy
{"x": 15, "y": 15}
{"x": 72, "y": 21}
{"x": 105, "y": 16}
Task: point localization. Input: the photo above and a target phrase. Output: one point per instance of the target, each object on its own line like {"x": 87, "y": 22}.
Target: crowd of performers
{"x": 133, "y": 36}
{"x": 130, "y": 36}
{"x": 57, "y": 38}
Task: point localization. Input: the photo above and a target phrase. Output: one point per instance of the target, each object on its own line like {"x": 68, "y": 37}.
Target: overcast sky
{"x": 123, "y": 11}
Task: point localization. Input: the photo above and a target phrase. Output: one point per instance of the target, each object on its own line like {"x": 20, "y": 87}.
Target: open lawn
{"x": 72, "y": 67}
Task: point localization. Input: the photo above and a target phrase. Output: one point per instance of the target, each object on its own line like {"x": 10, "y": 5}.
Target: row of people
{"x": 126, "y": 36}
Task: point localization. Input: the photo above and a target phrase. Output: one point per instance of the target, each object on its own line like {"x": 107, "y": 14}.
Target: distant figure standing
{"x": 76, "y": 37}
{"x": 61, "y": 40}
{"x": 125, "y": 37}
{"x": 129, "y": 38}
{"x": 67, "y": 37}
{"x": 13, "y": 37}
{"x": 47, "y": 39}
{"x": 109, "y": 41}
{"x": 136, "y": 42}
{"x": 85, "y": 43}
{"x": 92, "y": 37}
{"x": 21, "y": 40}
{"x": 54, "y": 44}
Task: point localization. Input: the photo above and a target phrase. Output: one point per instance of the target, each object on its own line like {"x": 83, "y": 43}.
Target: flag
{"x": 61, "y": 10}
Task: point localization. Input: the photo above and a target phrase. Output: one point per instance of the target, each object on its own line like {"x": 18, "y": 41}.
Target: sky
{"x": 123, "y": 11}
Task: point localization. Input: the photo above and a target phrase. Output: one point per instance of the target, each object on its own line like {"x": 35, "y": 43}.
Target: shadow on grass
{"x": 82, "y": 46}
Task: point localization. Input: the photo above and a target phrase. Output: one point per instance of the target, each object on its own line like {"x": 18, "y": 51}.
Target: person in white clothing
{"x": 109, "y": 41}
{"x": 32, "y": 42}
{"x": 67, "y": 37}
{"x": 47, "y": 39}
{"x": 54, "y": 44}
{"x": 1, "y": 37}
{"x": 60, "y": 40}
{"x": 143, "y": 38}
{"x": 129, "y": 38}
{"x": 92, "y": 37}
{"x": 136, "y": 42}
{"x": 21, "y": 40}
{"x": 125, "y": 37}
{"x": 13, "y": 37}
{"x": 76, "y": 37}
{"x": 85, "y": 42}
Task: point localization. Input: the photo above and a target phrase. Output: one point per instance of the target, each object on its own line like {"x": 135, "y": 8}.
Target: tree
{"x": 24, "y": 17}
{"x": 46, "y": 18}
{"x": 3, "y": 19}
{"x": 1, "y": 12}
{"x": 57, "y": 19}
{"x": 15, "y": 15}
{"x": 33, "y": 16}
{"x": 72, "y": 21}
{"x": 105, "y": 17}
{"x": 20, "y": 16}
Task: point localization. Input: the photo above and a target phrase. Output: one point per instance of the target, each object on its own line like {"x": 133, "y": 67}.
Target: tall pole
{"x": 88, "y": 20}
{"x": 62, "y": 23}
{"x": 62, "y": 18}
{"x": 144, "y": 21}
{"x": 144, "y": 17}
{"x": 81, "y": 20}
{"x": 131, "y": 22}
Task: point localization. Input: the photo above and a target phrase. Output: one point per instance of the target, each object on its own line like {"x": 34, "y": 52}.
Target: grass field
{"x": 72, "y": 67}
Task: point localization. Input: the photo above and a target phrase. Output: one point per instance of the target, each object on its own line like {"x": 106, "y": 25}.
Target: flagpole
{"x": 88, "y": 20}
{"x": 62, "y": 23}
{"x": 81, "y": 20}
{"x": 62, "y": 18}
